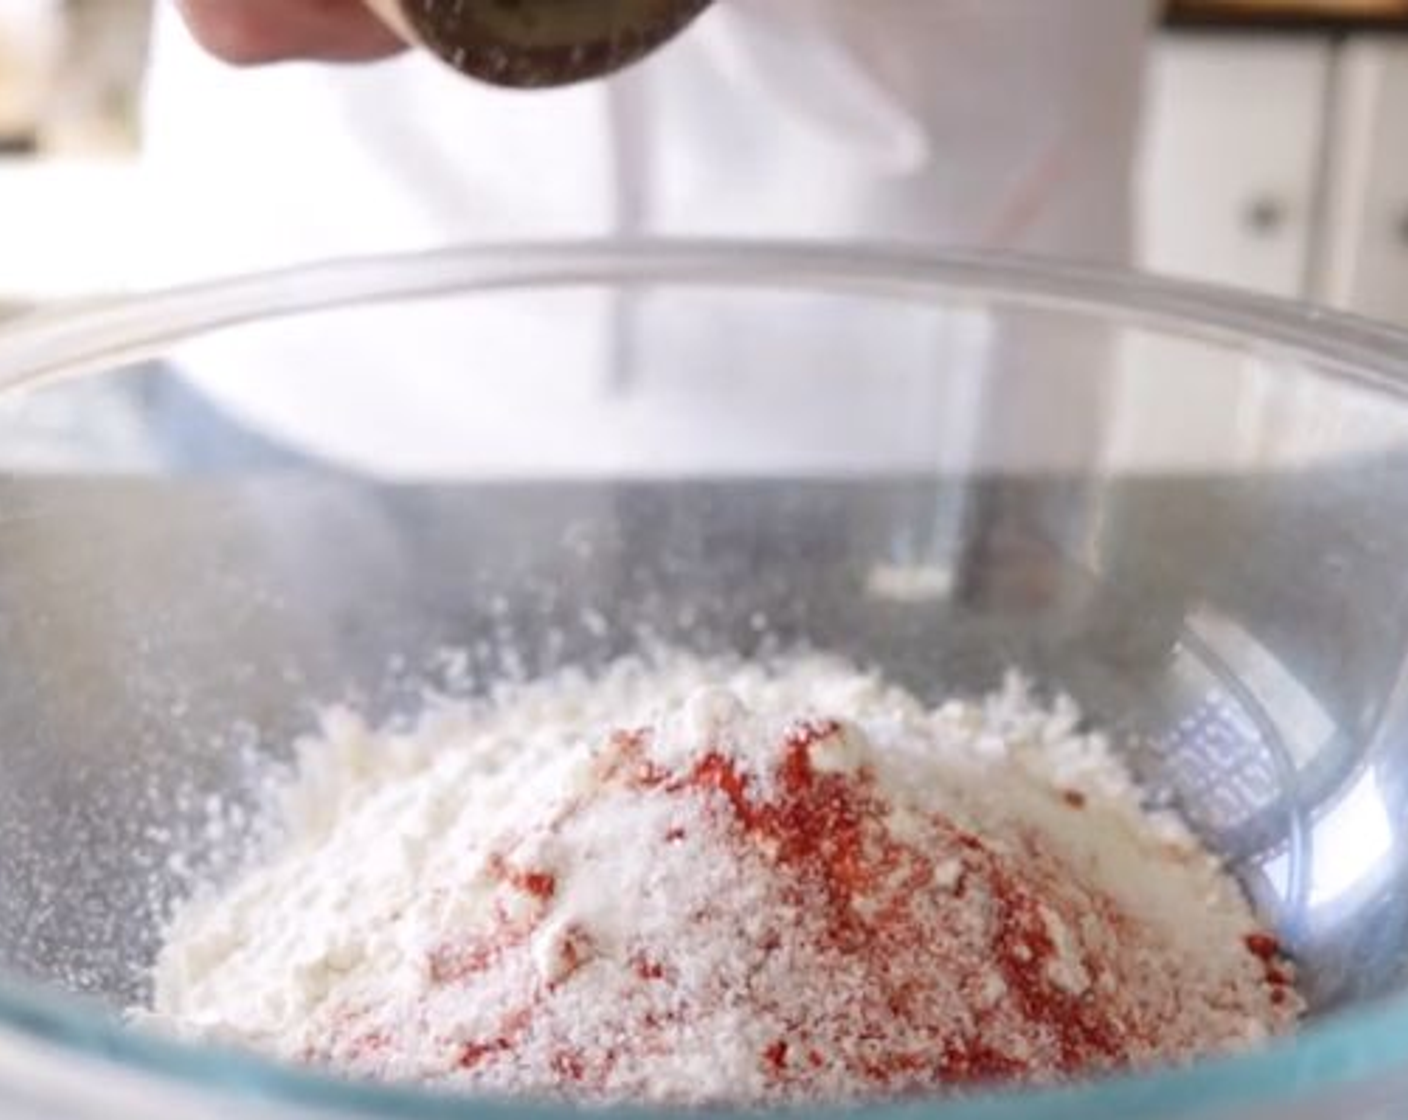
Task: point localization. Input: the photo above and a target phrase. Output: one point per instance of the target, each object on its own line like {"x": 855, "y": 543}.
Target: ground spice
{"x": 805, "y": 887}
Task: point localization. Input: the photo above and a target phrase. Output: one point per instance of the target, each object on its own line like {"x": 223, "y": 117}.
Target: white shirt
{"x": 997, "y": 123}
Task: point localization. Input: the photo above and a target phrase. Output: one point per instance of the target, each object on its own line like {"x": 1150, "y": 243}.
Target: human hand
{"x": 248, "y": 32}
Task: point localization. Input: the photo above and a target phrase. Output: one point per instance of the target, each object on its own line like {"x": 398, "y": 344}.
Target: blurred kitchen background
{"x": 1275, "y": 157}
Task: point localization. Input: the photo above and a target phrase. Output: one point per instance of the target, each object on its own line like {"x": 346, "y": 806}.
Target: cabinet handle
{"x": 1265, "y": 215}
{"x": 1400, "y": 226}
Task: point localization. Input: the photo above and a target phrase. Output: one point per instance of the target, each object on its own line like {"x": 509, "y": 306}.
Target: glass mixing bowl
{"x": 1187, "y": 508}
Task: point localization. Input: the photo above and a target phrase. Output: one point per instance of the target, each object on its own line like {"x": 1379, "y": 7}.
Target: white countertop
{"x": 68, "y": 227}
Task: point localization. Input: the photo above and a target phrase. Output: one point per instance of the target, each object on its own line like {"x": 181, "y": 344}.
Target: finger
{"x": 248, "y": 32}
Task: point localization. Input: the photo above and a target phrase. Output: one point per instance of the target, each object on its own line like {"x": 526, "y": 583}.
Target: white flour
{"x": 705, "y": 882}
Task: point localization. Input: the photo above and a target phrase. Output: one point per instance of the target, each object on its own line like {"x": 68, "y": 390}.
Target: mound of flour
{"x": 701, "y": 882}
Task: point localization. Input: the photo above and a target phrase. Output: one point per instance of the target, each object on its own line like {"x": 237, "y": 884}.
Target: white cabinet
{"x": 30, "y": 43}
{"x": 1229, "y": 177}
{"x": 1230, "y": 191}
{"x": 1365, "y": 234}
{"x": 1280, "y": 164}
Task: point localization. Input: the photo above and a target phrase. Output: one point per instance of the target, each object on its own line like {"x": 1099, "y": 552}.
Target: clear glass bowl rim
{"x": 1361, "y": 1051}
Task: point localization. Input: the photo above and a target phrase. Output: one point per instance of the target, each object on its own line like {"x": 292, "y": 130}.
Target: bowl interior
{"x": 1198, "y": 533}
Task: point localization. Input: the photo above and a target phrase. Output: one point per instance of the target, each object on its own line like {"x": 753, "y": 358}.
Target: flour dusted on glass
{"x": 707, "y": 882}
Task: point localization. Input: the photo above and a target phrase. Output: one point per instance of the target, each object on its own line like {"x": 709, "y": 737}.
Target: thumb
{"x": 249, "y": 32}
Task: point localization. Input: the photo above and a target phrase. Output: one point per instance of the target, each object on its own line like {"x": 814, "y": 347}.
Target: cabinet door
{"x": 1365, "y": 248}
{"x": 30, "y": 41}
{"x": 1230, "y": 172}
